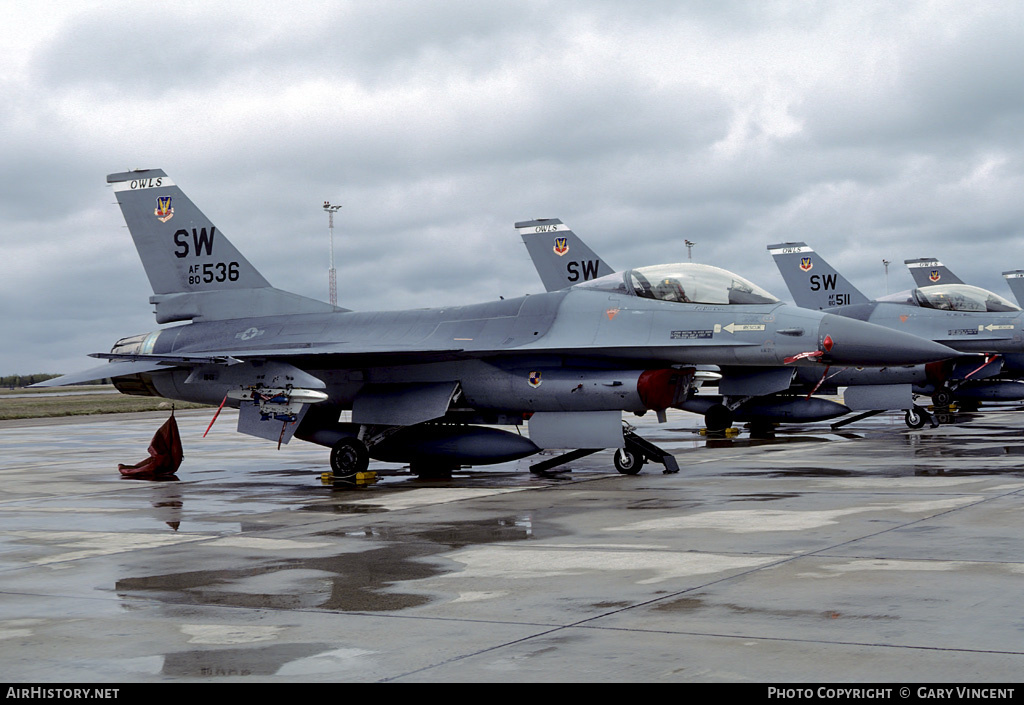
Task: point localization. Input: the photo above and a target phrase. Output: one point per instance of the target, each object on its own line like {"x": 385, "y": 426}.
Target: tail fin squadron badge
{"x": 534, "y": 379}
{"x": 934, "y": 275}
{"x": 163, "y": 211}
{"x": 806, "y": 264}
{"x": 561, "y": 246}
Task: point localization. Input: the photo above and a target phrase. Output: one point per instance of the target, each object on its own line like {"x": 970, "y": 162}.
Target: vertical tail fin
{"x": 928, "y": 271}
{"x": 195, "y": 271}
{"x": 1015, "y": 280}
{"x": 812, "y": 281}
{"x": 560, "y": 256}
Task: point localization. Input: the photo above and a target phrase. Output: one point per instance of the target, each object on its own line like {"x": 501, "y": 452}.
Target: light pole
{"x": 689, "y": 249}
{"x": 886, "y": 264}
{"x": 332, "y": 276}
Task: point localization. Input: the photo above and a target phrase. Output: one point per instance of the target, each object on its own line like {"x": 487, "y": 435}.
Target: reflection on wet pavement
{"x": 248, "y": 568}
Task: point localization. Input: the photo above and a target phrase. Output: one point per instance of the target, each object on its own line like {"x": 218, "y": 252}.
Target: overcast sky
{"x": 870, "y": 130}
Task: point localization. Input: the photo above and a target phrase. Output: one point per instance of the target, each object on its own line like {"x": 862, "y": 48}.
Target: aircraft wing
{"x": 120, "y": 365}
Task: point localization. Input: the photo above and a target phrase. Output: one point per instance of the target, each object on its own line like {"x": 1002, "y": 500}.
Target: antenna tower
{"x": 332, "y": 276}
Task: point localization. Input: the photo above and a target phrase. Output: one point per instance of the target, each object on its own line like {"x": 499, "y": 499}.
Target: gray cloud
{"x": 871, "y": 131}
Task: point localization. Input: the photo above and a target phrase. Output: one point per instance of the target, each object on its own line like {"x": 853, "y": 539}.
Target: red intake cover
{"x": 661, "y": 389}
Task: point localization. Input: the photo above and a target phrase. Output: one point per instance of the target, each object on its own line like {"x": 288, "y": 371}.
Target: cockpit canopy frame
{"x": 684, "y": 282}
{"x": 954, "y": 297}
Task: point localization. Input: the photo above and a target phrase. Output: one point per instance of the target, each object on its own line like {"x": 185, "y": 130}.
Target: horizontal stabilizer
{"x": 112, "y": 369}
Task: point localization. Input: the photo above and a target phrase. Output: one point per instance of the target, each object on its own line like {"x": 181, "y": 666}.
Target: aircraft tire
{"x": 718, "y": 418}
{"x": 914, "y": 418}
{"x": 628, "y": 462}
{"x": 349, "y": 456}
{"x": 942, "y": 397}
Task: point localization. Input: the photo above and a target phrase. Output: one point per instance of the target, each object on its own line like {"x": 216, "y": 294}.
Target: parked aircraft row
{"x": 429, "y": 387}
{"x": 988, "y": 370}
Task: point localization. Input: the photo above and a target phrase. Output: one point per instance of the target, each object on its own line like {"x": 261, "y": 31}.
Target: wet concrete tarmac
{"x": 879, "y": 554}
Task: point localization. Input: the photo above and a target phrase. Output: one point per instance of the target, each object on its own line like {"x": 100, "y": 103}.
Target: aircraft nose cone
{"x": 851, "y": 342}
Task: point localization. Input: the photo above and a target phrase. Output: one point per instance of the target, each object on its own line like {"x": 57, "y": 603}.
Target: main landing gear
{"x": 349, "y": 456}
{"x": 942, "y": 397}
{"x": 718, "y": 418}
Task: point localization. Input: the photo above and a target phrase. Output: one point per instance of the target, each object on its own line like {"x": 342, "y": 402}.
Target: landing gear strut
{"x": 628, "y": 459}
{"x": 641, "y": 449}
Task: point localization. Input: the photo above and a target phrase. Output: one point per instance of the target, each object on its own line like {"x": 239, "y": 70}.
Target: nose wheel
{"x": 628, "y": 461}
{"x": 916, "y": 417}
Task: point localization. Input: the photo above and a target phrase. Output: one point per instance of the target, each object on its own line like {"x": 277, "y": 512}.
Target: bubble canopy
{"x": 683, "y": 283}
{"x": 953, "y": 297}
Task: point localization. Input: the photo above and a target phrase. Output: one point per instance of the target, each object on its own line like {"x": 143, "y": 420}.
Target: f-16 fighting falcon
{"x": 427, "y": 386}
{"x": 930, "y": 272}
{"x": 761, "y": 398}
{"x": 965, "y": 318}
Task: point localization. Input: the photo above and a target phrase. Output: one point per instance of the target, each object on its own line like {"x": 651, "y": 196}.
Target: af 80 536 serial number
{"x": 211, "y": 272}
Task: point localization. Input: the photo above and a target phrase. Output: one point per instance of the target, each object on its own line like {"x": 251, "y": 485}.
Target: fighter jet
{"x": 425, "y": 386}
{"x": 965, "y": 318}
{"x": 756, "y": 401}
{"x": 563, "y": 259}
{"x": 927, "y": 272}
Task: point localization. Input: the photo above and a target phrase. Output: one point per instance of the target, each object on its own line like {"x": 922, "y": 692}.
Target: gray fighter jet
{"x": 928, "y": 272}
{"x": 426, "y": 386}
{"x": 759, "y": 399}
{"x": 965, "y": 318}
